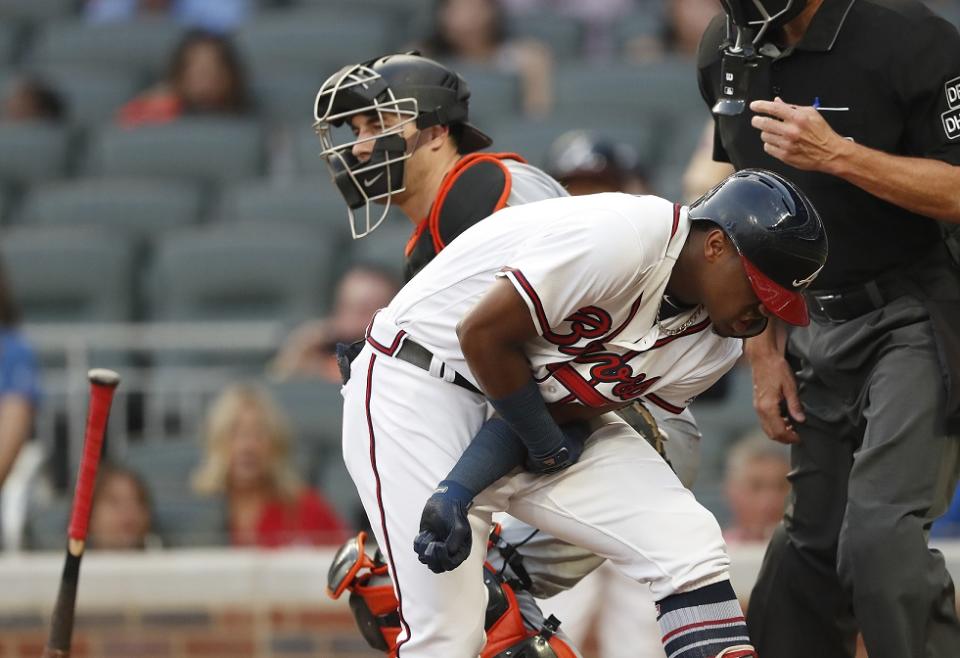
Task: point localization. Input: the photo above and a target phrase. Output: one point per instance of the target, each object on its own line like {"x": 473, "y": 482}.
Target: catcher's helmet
{"x": 407, "y": 88}
{"x": 777, "y": 232}
{"x": 583, "y": 154}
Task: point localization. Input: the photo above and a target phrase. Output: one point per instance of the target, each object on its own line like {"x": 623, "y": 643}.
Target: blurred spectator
{"x": 686, "y": 21}
{"x": 310, "y": 350}
{"x": 19, "y": 383}
{"x": 205, "y": 77}
{"x": 31, "y": 99}
{"x": 121, "y": 517}
{"x": 756, "y": 488}
{"x": 474, "y": 32}
{"x": 213, "y": 15}
{"x": 703, "y": 172}
{"x": 248, "y": 462}
{"x": 586, "y": 163}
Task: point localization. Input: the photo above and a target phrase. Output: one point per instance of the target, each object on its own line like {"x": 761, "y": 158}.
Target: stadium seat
{"x": 32, "y": 151}
{"x": 91, "y": 96}
{"x": 306, "y": 152}
{"x": 69, "y": 274}
{"x": 563, "y": 34}
{"x": 289, "y": 96}
{"x": 242, "y": 272}
{"x": 663, "y": 88}
{"x": 8, "y": 42}
{"x": 211, "y": 150}
{"x": 313, "y": 42}
{"x": 189, "y": 521}
{"x": 35, "y": 10}
{"x": 166, "y": 465}
{"x": 647, "y": 25}
{"x": 140, "y": 47}
{"x": 138, "y": 207}
{"x": 494, "y": 94}
{"x": 46, "y": 524}
{"x": 311, "y": 201}
{"x": 384, "y": 247}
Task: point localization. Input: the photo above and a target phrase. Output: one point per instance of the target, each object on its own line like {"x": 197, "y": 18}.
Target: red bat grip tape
{"x": 100, "y": 398}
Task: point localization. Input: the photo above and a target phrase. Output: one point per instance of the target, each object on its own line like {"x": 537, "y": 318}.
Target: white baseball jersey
{"x": 592, "y": 271}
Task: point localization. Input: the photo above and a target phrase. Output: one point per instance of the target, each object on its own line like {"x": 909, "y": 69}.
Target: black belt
{"x": 849, "y": 303}
{"x": 416, "y": 354}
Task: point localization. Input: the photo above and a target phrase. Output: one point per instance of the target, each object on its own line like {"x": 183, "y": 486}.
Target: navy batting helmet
{"x": 777, "y": 232}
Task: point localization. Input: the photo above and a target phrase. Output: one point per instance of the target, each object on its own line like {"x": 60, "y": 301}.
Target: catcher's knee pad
{"x": 375, "y": 608}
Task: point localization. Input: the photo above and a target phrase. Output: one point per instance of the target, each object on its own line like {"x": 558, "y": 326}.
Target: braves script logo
{"x": 951, "y": 118}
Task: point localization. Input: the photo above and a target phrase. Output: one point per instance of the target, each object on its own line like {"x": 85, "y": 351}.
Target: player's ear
{"x": 436, "y": 137}
{"x": 716, "y": 245}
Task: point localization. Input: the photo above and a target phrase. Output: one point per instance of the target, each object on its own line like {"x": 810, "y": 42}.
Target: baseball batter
{"x": 562, "y": 302}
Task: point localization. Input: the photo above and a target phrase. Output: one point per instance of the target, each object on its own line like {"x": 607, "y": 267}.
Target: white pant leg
{"x": 402, "y": 433}
{"x": 622, "y": 502}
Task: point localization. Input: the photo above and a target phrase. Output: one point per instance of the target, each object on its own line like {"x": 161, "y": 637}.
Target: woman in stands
{"x": 248, "y": 462}
{"x": 19, "y": 383}
{"x": 206, "y": 77}
{"x": 473, "y": 32}
{"x": 121, "y": 517}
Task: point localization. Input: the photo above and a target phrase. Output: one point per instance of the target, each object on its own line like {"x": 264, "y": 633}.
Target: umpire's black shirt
{"x": 885, "y": 73}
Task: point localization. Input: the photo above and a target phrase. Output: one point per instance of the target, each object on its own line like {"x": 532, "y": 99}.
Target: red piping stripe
{"x": 383, "y": 517}
{"x": 700, "y": 624}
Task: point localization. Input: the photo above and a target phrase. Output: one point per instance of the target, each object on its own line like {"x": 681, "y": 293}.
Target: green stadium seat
{"x": 140, "y": 47}
{"x": 494, "y": 94}
{"x": 309, "y": 201}
{"x": 91, "y": 96}
{"x": 662, "y": 88}
{"x": 288, "y": 97}
{"x": 384, "y": 247}
{"x": 35, "y": 10}
{"x": 647, "y": 25}
{"x": 210, "y": 150}
{"x": 139, "y": 208}
{"x": 241, "y": 272}
{"x": 33, "y": 151}
{"x": 8, "y": 41}
{"x": 313, "y": 42}
{"x": 72, "y": 274}
{"x": 167, "y": 465}
{"x": 563, "y": 34}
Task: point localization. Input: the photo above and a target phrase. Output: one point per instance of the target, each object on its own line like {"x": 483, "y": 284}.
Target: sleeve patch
{"x": 951, "y": 118}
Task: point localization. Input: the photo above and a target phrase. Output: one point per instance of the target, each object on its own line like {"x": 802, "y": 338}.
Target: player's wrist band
{"x": 527, "y": 414}
{"x": 494, "y": 451}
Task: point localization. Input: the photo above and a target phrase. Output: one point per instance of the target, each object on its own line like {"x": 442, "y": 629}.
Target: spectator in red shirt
{"x": 248, "y": 462}
{"x": 206, "y": 77}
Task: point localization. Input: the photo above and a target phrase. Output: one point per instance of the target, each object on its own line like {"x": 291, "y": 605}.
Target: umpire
{"x": 857, "y": 102}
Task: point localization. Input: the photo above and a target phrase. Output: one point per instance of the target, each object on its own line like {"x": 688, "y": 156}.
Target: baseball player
{"x": 561, "y": 302}
{"x": 463, "y": 188}
{"x": 395, "y": 131}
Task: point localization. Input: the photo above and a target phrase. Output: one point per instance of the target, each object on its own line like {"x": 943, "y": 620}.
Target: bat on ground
{"x": 102, "y": 385}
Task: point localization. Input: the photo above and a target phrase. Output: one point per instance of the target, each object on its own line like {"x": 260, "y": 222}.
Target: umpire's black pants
{"x": 873, "y": 469}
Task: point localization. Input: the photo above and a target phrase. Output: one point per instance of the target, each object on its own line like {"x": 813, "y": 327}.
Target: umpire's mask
{"x": 748, "y": 21}
{"x": 393, "y": 91}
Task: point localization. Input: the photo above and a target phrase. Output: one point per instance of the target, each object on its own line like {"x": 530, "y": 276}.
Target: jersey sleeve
{"x": 477, "y": 192}
{"x": 576, "y": 264}
{"x": 927, "y": 77}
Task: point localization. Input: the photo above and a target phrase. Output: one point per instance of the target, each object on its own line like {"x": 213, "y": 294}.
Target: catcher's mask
{"x": 748, "y": 21}
{"x": 394, "y": 92}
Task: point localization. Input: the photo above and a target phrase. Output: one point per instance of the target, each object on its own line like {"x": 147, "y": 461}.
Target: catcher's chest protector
{"x": 477, "y": 186}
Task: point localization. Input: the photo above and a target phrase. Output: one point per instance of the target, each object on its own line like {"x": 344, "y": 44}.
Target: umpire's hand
{"x": 445, "y": 536}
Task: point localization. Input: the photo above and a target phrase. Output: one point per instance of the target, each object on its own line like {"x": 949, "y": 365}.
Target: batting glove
{"x": 445, "y": 535}
{"x": 574, "y": 435}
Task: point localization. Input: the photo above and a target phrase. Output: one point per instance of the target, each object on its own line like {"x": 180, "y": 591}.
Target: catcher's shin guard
{"x": 374, "y": 606}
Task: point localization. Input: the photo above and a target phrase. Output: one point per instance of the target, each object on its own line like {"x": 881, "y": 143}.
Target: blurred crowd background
{"x": 164, "y": 212}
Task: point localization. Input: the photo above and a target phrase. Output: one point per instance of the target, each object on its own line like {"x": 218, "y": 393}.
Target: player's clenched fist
{"x": 445, "y": 536}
